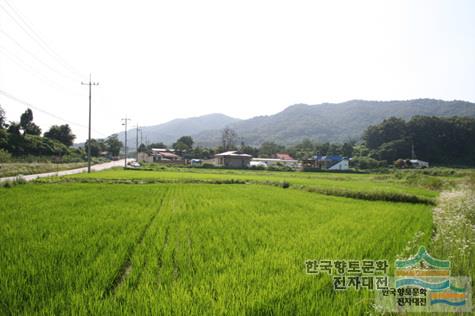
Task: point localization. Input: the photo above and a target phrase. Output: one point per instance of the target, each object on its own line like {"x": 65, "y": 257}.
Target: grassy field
{"x": 329, "y": 181}
{"x": 175, "y": 246}
{"x": 23, "y": 168}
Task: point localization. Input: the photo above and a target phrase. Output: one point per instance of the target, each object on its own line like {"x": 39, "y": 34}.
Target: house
{"x": 164, "y": 154}
{"x": 145, "y": 157}
{"x": 233, "y": 159}
{"x": 330, "y": 162}
{"x": 274, "y": 162}
{"x": 159, "y": 155}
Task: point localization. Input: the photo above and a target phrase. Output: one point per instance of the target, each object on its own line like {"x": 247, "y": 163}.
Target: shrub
{"x": 367, "y": 163}
{"x": 5, "y": 156}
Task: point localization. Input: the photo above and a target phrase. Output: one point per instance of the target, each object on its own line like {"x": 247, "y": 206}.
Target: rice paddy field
{"x": 201, "y": 242}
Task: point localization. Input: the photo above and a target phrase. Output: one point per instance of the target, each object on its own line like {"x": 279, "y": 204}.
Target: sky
{"x": 160, "y": 60}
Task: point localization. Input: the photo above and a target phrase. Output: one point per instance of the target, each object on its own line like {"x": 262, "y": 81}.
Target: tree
{"x": 3, "y": 139}
{"x": 3, "y": 118}
{"x": 114, "y": 144}
{"x": 187, "y": 140}
{"x": 246, "y": 149}
{"x": 347, "y": 149}
{"x": 61, "y": 133}
{"x": 14, "y": 129}
{"x": 97, "y": 146}
{"x": 142, "y": 148}
{"x": 27, "y": 125}
{"x": 228, "y": 138}
{"x": 183, "y": 144}
{"x": 269, "y": 149}
{"x": 390, "y": 129}
{"x": 157, "y": 145}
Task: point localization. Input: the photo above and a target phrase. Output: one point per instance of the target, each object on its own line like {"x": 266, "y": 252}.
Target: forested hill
{"x": 170, "y": 131}
{"x": 332, "y": 122}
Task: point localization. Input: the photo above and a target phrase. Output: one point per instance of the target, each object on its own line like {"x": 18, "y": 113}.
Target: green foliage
{"x": 114, "y": 145}
{"x": 5, "y": 156}
{"x": 27, "y": 125}
{"x": 61, "y": 133}
{"x": 229, "y": 139}
{"x": 253, "y": 151}
{"x": 186, "y": 141}
{"x": 367, "y": 163}
{"x": 3, "y": 118}
{"x": 269, "y": 149}
{"x": 97, "y": 146}
{"x": 437, "y": 140}
{"x": 157, "y": 145}
{"x": 27, "y": 144}
{"x": 14, "y": 129}
{"x": 3, "y": 139}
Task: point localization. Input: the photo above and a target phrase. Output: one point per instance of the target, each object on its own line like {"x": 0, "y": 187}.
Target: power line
{"x": 28, "y": 68}
{"x": 11, "y": 97}
{"x": 24, "y": 25}
{"x": 34, "y": 56}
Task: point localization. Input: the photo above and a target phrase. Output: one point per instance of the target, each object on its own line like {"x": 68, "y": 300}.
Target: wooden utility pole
{"x": 137, "y": 142}
{"x": 124, "y": 122}
{"x": 90, "y": 84}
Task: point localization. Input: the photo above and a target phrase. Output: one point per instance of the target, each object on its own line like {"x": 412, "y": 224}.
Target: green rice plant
{"x": 198, "y": 249}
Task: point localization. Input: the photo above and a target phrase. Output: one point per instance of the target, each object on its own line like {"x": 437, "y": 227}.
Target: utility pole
{"x": 137, "y": 142}
{"x": 90, "y": 84}
{"x": 413, "y": 152}
{"x": 124, "y": 122}
{"x": 141, "y": 137}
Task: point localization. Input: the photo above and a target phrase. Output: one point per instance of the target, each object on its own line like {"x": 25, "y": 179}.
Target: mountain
{"x": 332, "y": 122}
{"x": 170, "y": 131}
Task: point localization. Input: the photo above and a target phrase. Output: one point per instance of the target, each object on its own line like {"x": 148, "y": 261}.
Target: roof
{"x": 163, "y": 149}
{"x": 284, "y": 156}
{"x": 168, "y": 155}
{"x": 328, "y": 158}
{"x": 233, "y": 154}
{"x": 274, "y": 159}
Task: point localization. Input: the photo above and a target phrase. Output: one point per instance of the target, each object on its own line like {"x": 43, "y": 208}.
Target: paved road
{"x": 97, "y": 167}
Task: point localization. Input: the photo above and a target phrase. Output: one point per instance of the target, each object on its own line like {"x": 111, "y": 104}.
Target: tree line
{"x": 25, "y": 138}
{"x": 438, "y": 140}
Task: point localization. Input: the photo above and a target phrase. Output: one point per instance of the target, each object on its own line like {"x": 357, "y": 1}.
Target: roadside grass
{"x": 454, "y": 229}
{"x": 15, "y": 168}
{"x": 189, "y": 249}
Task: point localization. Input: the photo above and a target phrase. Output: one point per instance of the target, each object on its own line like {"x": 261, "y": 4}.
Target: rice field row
{"x": 198, "y": 249}
{"x": 348, "y": 182}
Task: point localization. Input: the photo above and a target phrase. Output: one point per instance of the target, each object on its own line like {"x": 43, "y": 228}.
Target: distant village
{"x": 238, "y": 160}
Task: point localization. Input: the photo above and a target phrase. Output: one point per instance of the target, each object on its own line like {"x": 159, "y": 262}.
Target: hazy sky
{"x": 159, "y": 60}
